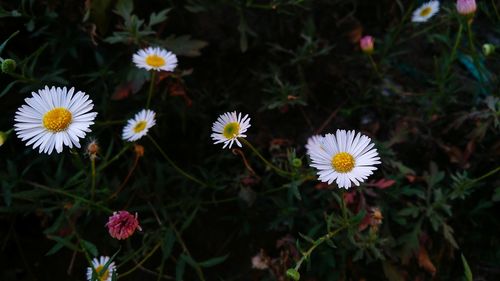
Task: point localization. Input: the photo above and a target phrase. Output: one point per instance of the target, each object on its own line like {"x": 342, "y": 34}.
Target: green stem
{"x": 177, "y": 168}
{"x": 92, "y": 166}
{"x": 151, "y": 87}
{"x": 68, "y": 194}
{"x": 375, "y": 67}
{"x": 271, "y": 165}
{"x": 198, "y": 269}
{"x": 490, "y": 173}
{"x": 156, "y": 247}
{"x": 473, "y": 50}
{"x": 448, "y": 63}
{"x": 316, "y": 243}
{"x": 106, "y": 164}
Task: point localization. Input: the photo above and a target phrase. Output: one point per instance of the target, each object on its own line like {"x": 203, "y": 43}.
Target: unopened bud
{"x": 366, "y": 43}
{"x": 296, "y": 162}
{"x": 466, "y": 7}
{"x": 8, "y": 66}
{"x": 92, "y": 149}
{"x": 139, "y": 150}
{"x": 488, "y": 49}
{"x": 3, "y": 137}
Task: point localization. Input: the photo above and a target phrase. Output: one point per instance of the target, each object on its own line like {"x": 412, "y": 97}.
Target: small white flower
{"x": 344, "y": 157}
{"x": 138, "y": 126}
{"x": 426, "y": 11}
{"x": 229, "y": 127}
{"x": 54, "y": 117}
{"x": 155, "y": 58}
{"x": 98, "y": 265}
{"x": 314, "y": 141}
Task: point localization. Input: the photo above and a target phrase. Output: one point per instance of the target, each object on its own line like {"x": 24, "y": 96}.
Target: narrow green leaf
{"x": 213, "y": 261}
{"x": 467, "y": 271}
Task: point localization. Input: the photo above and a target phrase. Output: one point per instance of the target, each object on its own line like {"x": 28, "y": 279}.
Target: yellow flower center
{"x": 140, "y": 126}
{"x": 343, "y": 162}
{"x": 231, "y": 130}
{"x": 425, "y": 11}
{"x": 102, "y": 276}
{"x": 155, "y": 61}
{"x": 57, "y": 119}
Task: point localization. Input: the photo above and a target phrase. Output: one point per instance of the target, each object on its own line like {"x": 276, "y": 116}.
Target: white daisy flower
{"x": 155, "y": 58}
{"x": 229, "y": 127}
{"x": 425, "y": 12}
{"x": 54, "y": 117}
{"x": 98, "y": 265}
{"x": 344, "y": 157}
{"x": 138, "y": 126}
{"x": 314, "y": 141}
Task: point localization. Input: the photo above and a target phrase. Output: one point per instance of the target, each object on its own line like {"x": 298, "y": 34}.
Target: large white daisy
{"x": 229, "y": 127}
{"x": 425, "y": 12}
{"x": 345, "y": 157}
{"x": 99, "y": 265}
{"x": 138, "y": 126}
{"x": 54, "y": 117}
{"x": 155, "y": 58}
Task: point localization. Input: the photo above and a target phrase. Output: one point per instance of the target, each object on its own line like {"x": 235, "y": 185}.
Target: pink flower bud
{"x": 466, "y": 7}
{"x": 366, "y": 44}
{"x": 122, "y": 224}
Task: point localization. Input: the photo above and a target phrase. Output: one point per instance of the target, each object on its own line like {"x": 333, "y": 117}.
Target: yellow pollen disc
{"x": 104, "y": 276}
{"x": 155, "y": 61}
{"x": 231, "y": 130}
{"x": 140, "y": 126}
{"x": 425, "y": 12}
{"x": 343, "y": 162}
{"x": 57, "y": 119}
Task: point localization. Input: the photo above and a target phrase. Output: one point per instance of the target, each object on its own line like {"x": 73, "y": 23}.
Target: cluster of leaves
{"x": 295, "y": 67}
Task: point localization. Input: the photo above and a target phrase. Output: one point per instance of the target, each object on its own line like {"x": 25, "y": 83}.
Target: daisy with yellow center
{"x": 53, "y": 118}
{"x": 345, "y": 158}
{"x": 138, "y": 126}
{"x": 155, "y": 59}
{"x": 229, "y": 127}
{"x": 426, "y": 11}
{"x": 104, "y": 269}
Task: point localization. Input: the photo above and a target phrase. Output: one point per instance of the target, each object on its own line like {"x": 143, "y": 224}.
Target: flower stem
{"x": 177, "y": 168}
{"x": 492, "y": 172}
{"x": 271, "y": 165}
{"x": 155, "y": 248}
{"x": 106, "y": 164}
{"x": 92, "y": 167}
{"x": 316, "y": 243}
{"x": 473, "y": 50}
{"x": 375, "y": 67}
{"x": 151, "y": 88}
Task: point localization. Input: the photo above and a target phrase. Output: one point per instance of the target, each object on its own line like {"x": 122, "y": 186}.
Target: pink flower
{"x": 366, "y": 44}
{"x": 466, "y": 7}
{"x": 122, "y": 224}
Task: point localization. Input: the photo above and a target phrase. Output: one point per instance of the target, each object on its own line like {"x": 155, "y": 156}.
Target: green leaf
{"x": 168, "y": 243}
{"x": 188, "y": 221}
{"x": 61, "y": 242}
{"x": 184, "y": 45}
{"x": 124, "y": 8}
{"x": 7, "y": 40}
{"x": 448, "y": 235}
{"x": 89, "y": 247}
{"x": 467, "y": 271}
{"x": 213, "y": 261}
{"x": 179, "y": 269}
{"x": 156, "y": 18}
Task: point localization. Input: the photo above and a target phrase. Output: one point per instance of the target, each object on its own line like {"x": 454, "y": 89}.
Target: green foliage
{"x": 429, "y": 98}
